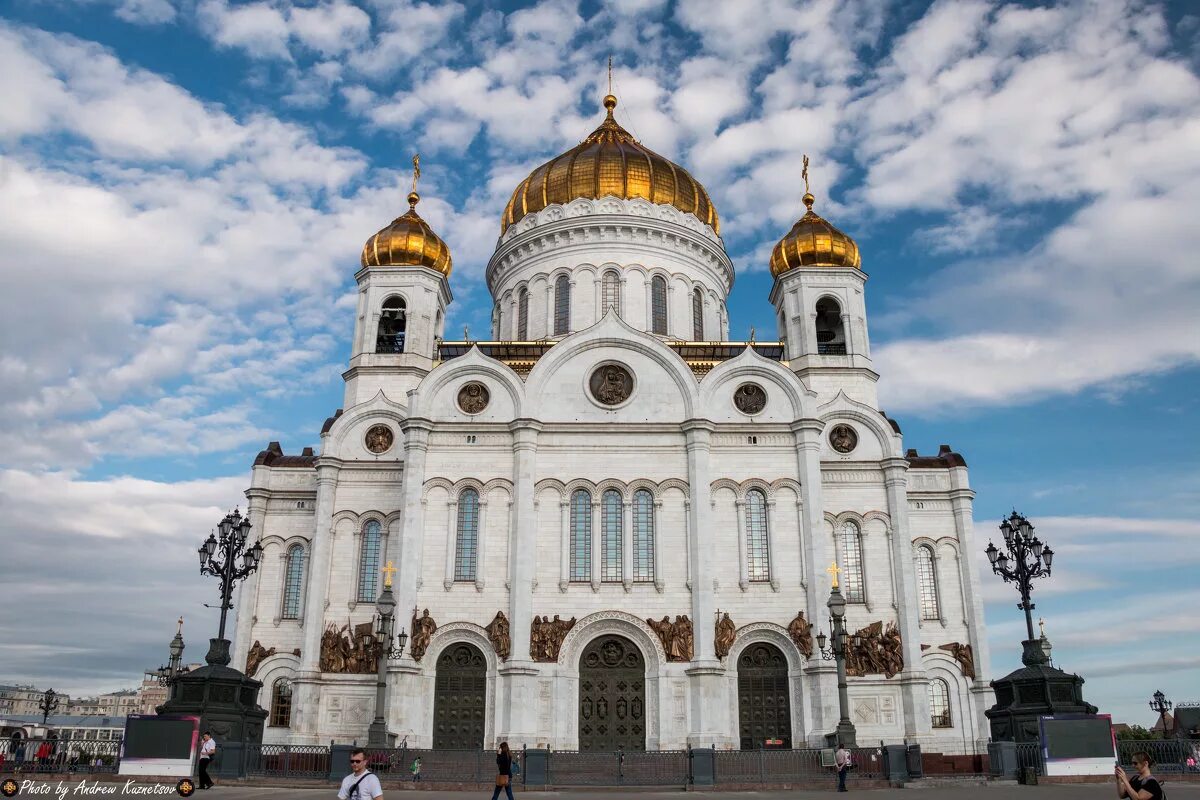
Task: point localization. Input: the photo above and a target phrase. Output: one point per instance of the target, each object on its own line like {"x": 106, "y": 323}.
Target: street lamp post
{"x": 377, "y": 734}
{"x": 836, "y": 651}
{"x": 219, "y": 557}
{"x": 1026, "y": 558}
{"x": 174, "y": 668}
{"x": 1163, "y": 706}
{"x": 48, "y": 704}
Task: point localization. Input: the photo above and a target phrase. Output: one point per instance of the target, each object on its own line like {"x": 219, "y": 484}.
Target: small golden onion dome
{"x": 813, "y": 242}
{"x": 408, "y": 241}
{"x": 610, "y": 162}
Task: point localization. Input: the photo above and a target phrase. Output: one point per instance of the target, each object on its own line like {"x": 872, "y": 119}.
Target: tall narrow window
{"x": 466, "y": 543}
{"x": 939, "y": 704}
{"x": 523, "y": 316}
{"x": 293, "y": 582}
{"x": 852, "y": 566}
{"x": 610, "y": 292}
{"x": 757, "y": 552}
{"x": 281, "y": 703}
{"x": 368, "y": 562}
{"x": 643, "y": 536}
{"x": 581, "y": 536}
{"x": 697, "y": 315}
{"x": 610, "y": 545}
{"x": 927, "y": 583}
{"x": 658, "y": 305}
{"x": 831, "y": 334}
{"x": 562, "y": 305}
{"x": 392, "y": 323}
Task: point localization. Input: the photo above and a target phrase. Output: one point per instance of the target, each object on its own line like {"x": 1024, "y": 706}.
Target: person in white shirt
{"x": 843, "y": 766}
{"x": 361, "y": 783}
{"x": 208, "y": 749}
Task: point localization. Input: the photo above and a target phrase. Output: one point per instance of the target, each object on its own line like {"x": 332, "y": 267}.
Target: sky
{"x": 186, "y": 185}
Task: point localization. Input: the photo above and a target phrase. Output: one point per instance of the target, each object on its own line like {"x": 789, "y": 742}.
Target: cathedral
{"x": 607, "y": 525}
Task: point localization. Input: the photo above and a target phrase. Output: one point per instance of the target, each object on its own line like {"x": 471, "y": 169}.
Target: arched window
{"x": 368, "y": 562}
{"x": 643, "y": 536}
{"x": 562, "y": 305}
{"x": 393, "y": 321}
{"x": 658, "y": 305}
{"x": 466, "y": 543}
{"x": 610, "y": 290}
{"x": 610, "y": 544}
{"x": 293, "y": 581}
{"x": 939, "y": 704}
{"x": 831, "y": 336}
{"x": 758, "y": 556}
{"x": 852, "y": 564}
{"x": 927, "y": 583}
{"x": 281, "y": 703}
{"x": 523, "y": 316}
{"x": 581, "y": 535}
{"x": 697, "y": 315}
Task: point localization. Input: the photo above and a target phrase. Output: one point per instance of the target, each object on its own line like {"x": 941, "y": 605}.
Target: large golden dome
{"x": 813, "y": 242}
{"x": 610, "y": 162}
{"x": 408, "y": 241}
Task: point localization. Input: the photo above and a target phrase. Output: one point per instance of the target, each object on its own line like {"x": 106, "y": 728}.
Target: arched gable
{"x": 436, "y": 397}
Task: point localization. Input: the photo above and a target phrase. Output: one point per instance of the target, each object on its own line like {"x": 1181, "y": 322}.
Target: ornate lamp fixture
{"x": 48, "y": 704}
{"x": 1163, "y": 706}
{"x": 219, "y": 556}
{"x": 1025, "y": 559}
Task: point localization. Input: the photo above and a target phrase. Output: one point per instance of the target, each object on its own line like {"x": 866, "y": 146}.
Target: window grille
{"x": 611, "y": 509}
{"x": 293, "y": 582}
{"x": 697, "y": 315}
{"x": 643, "y": 536}
{"x": 939, "y": 704}
{"x": 466, "y": 546}
{"x": 757, "y": 547}
{"x": 523, "y": 316}
{"x": 581, "y": 536}
{"x": 852, "y": 564}
{"x": 281, "y": 703}
{"x": 611, "y": 292}
{"x": 658, "y": 305}
{"x": 368, "y": 562}
{"x": 562, "y": 305}
{"x": 927, "y": 583}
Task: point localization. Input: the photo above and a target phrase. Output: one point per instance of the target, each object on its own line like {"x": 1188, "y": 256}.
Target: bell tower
{"x": 403, "y": 292}
{"x": 821, "y": 306}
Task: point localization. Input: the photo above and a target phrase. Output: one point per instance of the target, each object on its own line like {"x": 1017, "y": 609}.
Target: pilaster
{"x": 962, "y": 504}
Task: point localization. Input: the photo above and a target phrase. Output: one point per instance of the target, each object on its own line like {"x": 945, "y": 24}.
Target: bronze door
{"x": 764, "y": 708}
{"x": 612, "y": 696}
{"x": 460, "y": 698}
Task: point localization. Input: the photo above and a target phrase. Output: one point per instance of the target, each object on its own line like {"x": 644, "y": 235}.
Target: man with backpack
{"x": 361, "y": 783}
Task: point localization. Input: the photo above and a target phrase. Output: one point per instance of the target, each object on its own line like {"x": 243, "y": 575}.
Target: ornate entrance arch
{"x": 764, "y": 705}
{"x": 460, "y": 698}
{"x": 612, "y": 696}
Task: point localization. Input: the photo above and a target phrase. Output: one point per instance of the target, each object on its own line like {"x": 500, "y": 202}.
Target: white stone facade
{"x": 678, "y": 436}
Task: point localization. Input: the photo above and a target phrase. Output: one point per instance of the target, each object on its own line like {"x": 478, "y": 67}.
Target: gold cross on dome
{"x": 833, "y": 573}
{"x": 804, "y": 174}
{"x": 388, "y": 571}
{"x": 416, "y": 170}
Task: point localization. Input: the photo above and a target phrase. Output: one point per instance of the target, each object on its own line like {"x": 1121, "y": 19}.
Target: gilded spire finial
{"x": 610, "y": 99}
{"x": 179, "y": 630}
{"x": 388, "y": 572}
{"x": 808, "y": 198}
{"x": 413, "y": 197}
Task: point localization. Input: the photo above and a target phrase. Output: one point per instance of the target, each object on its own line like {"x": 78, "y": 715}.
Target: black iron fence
{"x": 792, "y": 766}
{"x": 635, "y": 768}
{"x": 59, "y": 755}
{"x": 288, "y": 760}
{"x": 1170, "y": 756}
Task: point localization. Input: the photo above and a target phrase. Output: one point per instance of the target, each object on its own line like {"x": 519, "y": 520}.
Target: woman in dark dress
{"x": 503, "y": 771}
{"x": 1142, "y": 786}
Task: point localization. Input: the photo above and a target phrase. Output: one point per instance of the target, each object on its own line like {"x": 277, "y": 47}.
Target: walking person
{"x": 504, "y": 763}
{"x": 208, "y": 749}
{"x": 361, "y": 783}
{"x": 1142, "y": 786}
{"x": 415, "y": 769}
{"x": 842, "y": 759}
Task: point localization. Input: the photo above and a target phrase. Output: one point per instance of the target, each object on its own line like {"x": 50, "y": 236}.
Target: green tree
{"x": 1135, "y": 732}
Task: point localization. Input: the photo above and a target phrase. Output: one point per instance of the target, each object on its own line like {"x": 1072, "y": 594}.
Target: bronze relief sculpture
{"x": 422, "y": 631}
{"x": 800, "y": 629}
{"x": 256, "y": 656}
{"x": 880, "y": 651}
{"x": 843, "y": 438}
{"x": 726, "y": 632}
{"x": 750, "y": 398}
{"x": 473, "y": 398}
{"x": 349, "y": 651}
{"x": 611, "y": 384}
{"x": 379, "y": 439}
{"x": 678, "y": 638}
{"x": 963, "y": 655}
{"x": 546, "y": 637}
{"x": 497, "y": 631}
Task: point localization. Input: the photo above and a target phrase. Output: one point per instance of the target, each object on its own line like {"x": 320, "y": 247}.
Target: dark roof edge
{"x": 945, "y": 459}
{"x": 273, "y": 457}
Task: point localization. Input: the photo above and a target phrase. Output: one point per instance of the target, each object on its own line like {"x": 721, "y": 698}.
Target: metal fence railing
{"x": 1170, "y": 756}
{"x": 1029, "y": 755}
{"x": 790, "y": 766}
{"x": 619, "y": 768}
{"x": 59, "y": 755}
{"x": 288, "y": 760}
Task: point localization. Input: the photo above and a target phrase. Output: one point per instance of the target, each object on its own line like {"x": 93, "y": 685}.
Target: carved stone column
{"x": 962, "y": 501}
{"x": 914, "y": 685}
{"x": 627, "y": 544}
{"x": 451, "y": 541}
{"x": 247, "y": 597}
{"x": 306, "y": 685}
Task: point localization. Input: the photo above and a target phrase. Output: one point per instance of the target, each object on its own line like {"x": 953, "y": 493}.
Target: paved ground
{"x": 1187, "y": 791}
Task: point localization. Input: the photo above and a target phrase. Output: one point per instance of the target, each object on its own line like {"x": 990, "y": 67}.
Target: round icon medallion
{"x": 611, "y": 384}
{"x": 473, "y": 398}
{"x": 843, "y": 438}
{"x": 750, "y": 398}
{"x": 379, "y": 439}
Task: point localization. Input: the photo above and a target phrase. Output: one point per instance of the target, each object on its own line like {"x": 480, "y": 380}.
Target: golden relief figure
{"x": 422, "y": 631}
{"x": 726, "y": 632}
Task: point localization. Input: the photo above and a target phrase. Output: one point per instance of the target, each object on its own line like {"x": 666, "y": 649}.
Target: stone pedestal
{"x": 1037, "y": 689}
{"x": 226, "y": 702}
